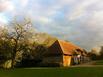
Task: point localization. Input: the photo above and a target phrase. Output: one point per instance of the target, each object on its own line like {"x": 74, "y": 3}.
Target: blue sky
{"x": 79, "y": 21}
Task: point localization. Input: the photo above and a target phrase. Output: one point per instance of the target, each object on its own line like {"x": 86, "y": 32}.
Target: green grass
{"x": 54, "y": 72}
{"x": 100, "y": 62}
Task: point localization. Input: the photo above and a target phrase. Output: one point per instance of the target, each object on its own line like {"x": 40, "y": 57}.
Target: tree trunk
{"x": 13, "y": 60}
{"x": 14, "y": 53}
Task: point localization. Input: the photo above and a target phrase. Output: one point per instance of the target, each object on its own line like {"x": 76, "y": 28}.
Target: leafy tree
{"x": 20, "y": 37}
{"x": 5, "y": 46}
{"x": 40, "y": 50}
{"x": 20, "y": 33}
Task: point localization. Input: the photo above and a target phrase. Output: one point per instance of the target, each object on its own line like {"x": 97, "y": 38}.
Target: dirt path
{"x": 89, "y": 64}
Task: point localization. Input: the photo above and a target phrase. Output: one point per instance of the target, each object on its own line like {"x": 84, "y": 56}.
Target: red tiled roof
{"x": 68, "y": 47}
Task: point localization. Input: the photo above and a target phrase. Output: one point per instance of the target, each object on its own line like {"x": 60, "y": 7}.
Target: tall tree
{"x": 20, "y": 32}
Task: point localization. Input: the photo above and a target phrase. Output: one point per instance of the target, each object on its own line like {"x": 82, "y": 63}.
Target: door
{"x": 66, "y": 60}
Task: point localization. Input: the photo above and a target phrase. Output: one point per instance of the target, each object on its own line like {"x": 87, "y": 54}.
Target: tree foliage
{"x": 20, "y": 43}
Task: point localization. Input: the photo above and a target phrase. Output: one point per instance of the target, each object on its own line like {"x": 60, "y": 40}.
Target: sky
{"x": 79, "y": 21}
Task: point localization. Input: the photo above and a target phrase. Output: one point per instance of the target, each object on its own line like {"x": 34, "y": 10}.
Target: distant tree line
{"x": 94, "y": 55}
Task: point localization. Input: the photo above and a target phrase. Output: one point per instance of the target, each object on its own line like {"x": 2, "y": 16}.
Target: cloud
{"x": 83, "y": 20}
{"x": 6, "y": 5}
{"x": 24, "y": 2}
{"x": 87, "y": 16}
{"x": 82, "y": 7}
{"x": 3, "y": 21}
{"x": 79, "y": 21}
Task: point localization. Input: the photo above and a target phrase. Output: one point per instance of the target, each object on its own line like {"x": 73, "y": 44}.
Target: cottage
{"x": 62, "y": 53}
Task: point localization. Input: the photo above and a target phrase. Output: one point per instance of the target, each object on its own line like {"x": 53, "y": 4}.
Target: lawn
{"x": 99, "y": 62}
{"x": 54, "y": 72}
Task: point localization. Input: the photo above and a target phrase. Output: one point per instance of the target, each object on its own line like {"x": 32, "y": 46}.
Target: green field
{"x": 54, "y": 72}
{"x": 100, "y": 62}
